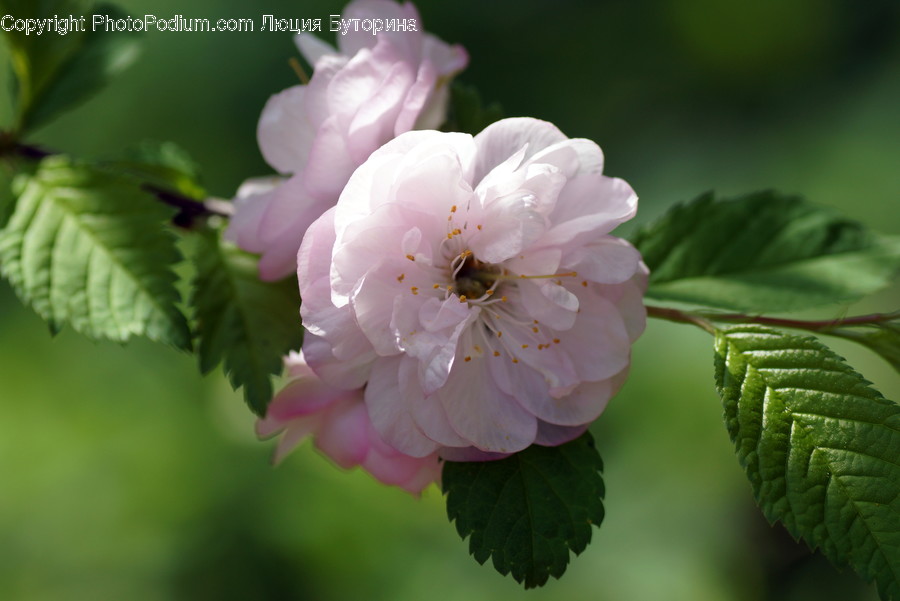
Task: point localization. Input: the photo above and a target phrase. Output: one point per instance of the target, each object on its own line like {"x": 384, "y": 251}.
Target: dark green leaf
{"x": 249, "y": 323}
{"x": 467, "y": 113}
{"x": 883, "y": 338}
{"x": 820, "y": 446}
{"x": 7, "y": 199}
{"x": 763, "y": 252}
{"x": 56, "y": 72}
{"x": 163, "y": 166}
{"x": 529, "y": 510}
{"x": 88, "y": 248}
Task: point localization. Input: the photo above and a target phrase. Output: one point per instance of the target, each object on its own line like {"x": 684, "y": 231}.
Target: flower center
{"x": 474, "y": 278}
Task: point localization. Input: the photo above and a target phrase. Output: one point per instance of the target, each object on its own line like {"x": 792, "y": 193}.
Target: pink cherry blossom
{"x": 366, "y": 92}
{"x": 341, "y": 428}
{"x": 471, "y": 286}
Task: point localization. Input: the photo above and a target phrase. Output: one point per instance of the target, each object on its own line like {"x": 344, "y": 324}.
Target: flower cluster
{"x": 463, "y": 297}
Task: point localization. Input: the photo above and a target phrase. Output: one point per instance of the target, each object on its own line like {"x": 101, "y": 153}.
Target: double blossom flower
{"x": 471, "y": 287}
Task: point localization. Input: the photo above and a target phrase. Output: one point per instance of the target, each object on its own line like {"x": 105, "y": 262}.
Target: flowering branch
{"x": 680, "y": 317}
{"x": 704, "y": 320}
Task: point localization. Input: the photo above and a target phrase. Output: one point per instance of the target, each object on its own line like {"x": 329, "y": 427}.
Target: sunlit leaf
{"x": 763, "y": 252}
{"x": 89, "y": 248}
{"x": 820, "y": 446}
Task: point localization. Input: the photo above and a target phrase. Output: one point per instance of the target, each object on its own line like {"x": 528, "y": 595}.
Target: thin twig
{"x": 705, "y": 319}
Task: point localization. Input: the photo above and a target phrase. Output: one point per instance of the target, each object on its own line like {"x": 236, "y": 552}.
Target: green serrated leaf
{"x": 56, "y": 72}
{"x": 763, "y": 252}
{"x": 88, "y": 248}
{"x": 162, "y": 165}
{"x": 529, "y": 510}
{"x": 883, "y": 338}
{"x": 467, "y": 112}
{"x": 820, "y": 446}
{"x": 249, "y": 323}
{"x": 7, "y": 198}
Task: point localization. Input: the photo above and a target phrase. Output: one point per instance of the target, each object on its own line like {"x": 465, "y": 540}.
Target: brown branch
{"x": 705, "y": 319}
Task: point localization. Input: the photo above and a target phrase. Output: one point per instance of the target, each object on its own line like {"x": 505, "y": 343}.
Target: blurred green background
{"x": 125, "y": 475}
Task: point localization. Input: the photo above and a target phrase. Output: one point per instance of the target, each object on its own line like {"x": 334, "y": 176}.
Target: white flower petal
{"x": 312, "y": 48}
{"x": 390, "y": 412}
{"x": 284, "y": 131}
{"x": 481, "y": 413}
{"x": 501, "y": 139}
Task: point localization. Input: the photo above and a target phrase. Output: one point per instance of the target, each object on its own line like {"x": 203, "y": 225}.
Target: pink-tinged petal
{"x": 389, "y": 412}
{"x": 250, "y": 205}
{"x": 392, "y": 467}
{"x": 430, "y": 335}
{"x": 628, "y": 298}
{"x": 284, "y": 132}
{"x": 427, "y": 411}
{"x": 288, "y": 214}
{"x": 447, "y": 60}
{"x": 314, "y": 256}
{"x": 372, "y": 304}
{"x": 573, "y": 157}
{"x": 434, "y": 185}
{"x": 532, "y": 368}
{"x": 409, "y": 43}
{"x": 598, "y": 345}
{"x": 481, "y": 413}
{"x": 373, "y": 184}
{"x": 351, "y": 371}
{"x": 413, "y": 113}
{"x": 608, "y": 260}
{"x": 577, "y": 211}
{"x": 312, "y": 48}
{"x": 551, "y": 435}
{"x": 549, "y": 303}
{"x": 341, "y": 430}
{"x": 582, "y": 406}
{"x": 330, "y": 164}
{"x": 514, "y": 224}
{"x": 356, "y": 83}
{"x": 436, "y": 365}
{"x": 374, "y": 122}
{"x": 501, "y": 139}
{"x": 318, "y": 109}
{"x": 344, "y": 434}
{"x": 301, "y": 396}
{"x": 270, "y": 218}
{"x": 429, "y": 473}
{"x": 321, "y": 317}
{"x": 295, "y": 433}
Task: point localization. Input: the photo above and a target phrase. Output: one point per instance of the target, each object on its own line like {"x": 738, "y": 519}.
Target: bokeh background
{"x": 125, "y": 475}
